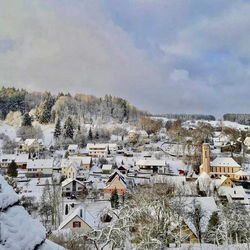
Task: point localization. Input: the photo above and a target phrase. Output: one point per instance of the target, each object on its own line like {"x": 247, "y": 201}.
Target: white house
{"x": 72, "y": 187}
{"x": 73, "y": 149}
{"x": 79, "y": 221}
{"x": 20, "y": 160}
{"x": 40, "y": 168}
{"x": 97, "y": 150}
{"x": 73, "y": 170}
{"x": 149, "y": 166}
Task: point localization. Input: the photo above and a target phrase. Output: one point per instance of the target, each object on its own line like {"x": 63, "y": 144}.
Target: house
{"x": 6, "y": 159}
{"x": 112, "y": 147}
{"x": 206, "y": 205}
{"x": 133, "y": 136}
{"x": 79, "y": 221}
{"x": 73, "y": 149}
{"x": 233, "y": 194}
{"x": 20, "y": 160}
{"x": 224, "y": 181}
{"x": 30, "y": 146}
{"x": 84, "y": 162}
{"x": 115, "y": 182}
{"x": 97, "y": 150}
{"x": 220, "y": 166}
{"x": 106, "y": 168}
{"x": 39, "y": 168}
{"x": 150, "y": 166}
{"x": 73, "y": 170}
{"x": 72, "y": 187}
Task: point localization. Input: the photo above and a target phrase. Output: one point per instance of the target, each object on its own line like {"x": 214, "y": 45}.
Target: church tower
{"x": 206, "y": 158}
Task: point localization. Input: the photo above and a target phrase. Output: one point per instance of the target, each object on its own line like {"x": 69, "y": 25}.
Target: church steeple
{"x": 206, "y": 158}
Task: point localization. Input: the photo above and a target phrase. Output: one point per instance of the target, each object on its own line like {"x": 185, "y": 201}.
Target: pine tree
{"x": 69, "y": 128}
{"x": 45, "y": 108}
{"x": 58, "y": 131}
{"x": 97, "y": 135}
{"x": 12, "y": 169}
{"x": 90, "y": 135}
{"x": 26, "y": 122}
{"x": 114, "y": 199}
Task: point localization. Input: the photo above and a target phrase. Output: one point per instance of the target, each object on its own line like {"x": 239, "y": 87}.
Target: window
{"x": 79, "y": 188}
{"x": 67, "y": 188}
{"x": 76, "y": 224}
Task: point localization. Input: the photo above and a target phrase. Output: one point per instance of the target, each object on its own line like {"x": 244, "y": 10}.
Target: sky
{"x": 163, "y": 56}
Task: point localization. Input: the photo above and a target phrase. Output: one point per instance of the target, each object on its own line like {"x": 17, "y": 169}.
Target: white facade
{"x": 97, "y": 150}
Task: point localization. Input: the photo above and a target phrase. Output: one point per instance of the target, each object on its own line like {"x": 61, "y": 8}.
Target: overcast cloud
{"x": 164, "y": 56}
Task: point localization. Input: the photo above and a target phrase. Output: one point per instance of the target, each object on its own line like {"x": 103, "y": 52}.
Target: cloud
{"x": 163, "y": 56}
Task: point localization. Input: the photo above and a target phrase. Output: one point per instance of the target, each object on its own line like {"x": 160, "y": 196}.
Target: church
{"x": 226, "y": 166}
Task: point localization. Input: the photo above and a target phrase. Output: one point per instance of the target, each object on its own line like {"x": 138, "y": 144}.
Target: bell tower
{"x": 206, "y": 158}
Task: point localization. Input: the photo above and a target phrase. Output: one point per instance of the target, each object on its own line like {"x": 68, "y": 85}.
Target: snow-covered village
{"x": 124, "y": 125}
{"x": 134, "y": 181}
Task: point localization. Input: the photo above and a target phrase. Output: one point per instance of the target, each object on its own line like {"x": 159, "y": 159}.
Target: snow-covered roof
{"x": 87, "y": 217}
{"x": 207, "y": 206}
{"x": 107, "y": 167}
{"x": 224, "y": 162}
{"x": 98, "y": 146}
{"x": 40, "y": 163}
{"x": 22, "y": 158}
{"x": 150, "y": 162}
{"x": 83, "y": 159}
{"x": 29, "y": 142}
{"x": 13, "y": 157}
{"x": 69, "y": 180}
{"x": 7, "y": 157}
{"x": 233, "y": 192}
{"x": 73, "y": 147}
{"x": 242, "y": 173}
{"x": 8, "y": 196}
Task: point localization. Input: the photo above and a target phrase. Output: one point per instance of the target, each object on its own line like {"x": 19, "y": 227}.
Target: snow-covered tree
{"x": 69, "y": 128}
{"x": 57, "y": 131}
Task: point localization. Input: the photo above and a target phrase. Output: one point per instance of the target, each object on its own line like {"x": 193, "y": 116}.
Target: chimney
{"x": 206, "y": 158}
{"x": 81, "y": 213}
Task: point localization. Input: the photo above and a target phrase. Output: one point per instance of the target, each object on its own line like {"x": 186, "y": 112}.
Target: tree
{"x": 45, "y": 108}
{"x": 57, "y": 131}
{"x": 97, "y": 135}
{"x": 90, "y": 135}
{"x": 114, "y": 199}
{"x": 149, "y": 125}
{"x": 27, "y": 121}
{"x": 12, "y": 169}
{"x": 69, "y": 128}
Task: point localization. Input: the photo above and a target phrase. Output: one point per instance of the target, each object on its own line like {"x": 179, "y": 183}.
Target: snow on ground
{"x": 33, "y": 188}
{"x": 212, "y": 247}
{"x": 19, "y": 230}
{"x": 49, "y": 245}
{"x": 8, "y": 196}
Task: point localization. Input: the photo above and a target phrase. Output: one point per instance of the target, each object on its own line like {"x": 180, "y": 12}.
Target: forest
{"x": 47, "y": 108}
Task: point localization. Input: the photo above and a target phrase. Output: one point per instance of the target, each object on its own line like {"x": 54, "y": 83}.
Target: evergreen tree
{"x": 114, "y": 199}
{"x": 57, "y": 131}
{"x": 26, "y": 122}
{"x": 12, "y": 169}
{"x": 45, "y": 108}
{"x": 69, "y": 128}
{"x": 97, "y": 135}
{"x": 90, "y": 135}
